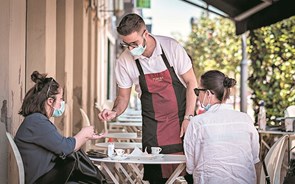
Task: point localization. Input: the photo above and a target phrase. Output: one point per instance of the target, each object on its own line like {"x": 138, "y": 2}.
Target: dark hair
{"x": 130, "y": 23}
{"x": 218, "y": 83}
{"x": 34, "y": 101}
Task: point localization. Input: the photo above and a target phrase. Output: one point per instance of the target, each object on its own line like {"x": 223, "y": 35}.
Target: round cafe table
{"x": 123, "y": 136}
{"x": 120, "y": 145}
{"x": 129, "y": 126}
{"x": 133, "y": 165}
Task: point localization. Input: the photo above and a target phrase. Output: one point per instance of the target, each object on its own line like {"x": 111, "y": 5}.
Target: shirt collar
{"x": 220, "y": 106}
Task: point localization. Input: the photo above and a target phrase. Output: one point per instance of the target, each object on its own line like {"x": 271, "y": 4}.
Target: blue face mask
{"x": 138, "y": 51}
{"x": 60, "y": 111}
{"x": 207, "y": 107}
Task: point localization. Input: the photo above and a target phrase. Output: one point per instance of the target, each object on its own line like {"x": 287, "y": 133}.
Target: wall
{"x": 12, "y": 71}
{"x": 67, "y": 40}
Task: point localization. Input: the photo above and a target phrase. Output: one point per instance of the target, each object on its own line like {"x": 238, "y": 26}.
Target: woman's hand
{"x": 98, "y": 136}
{"x": 85, "y": 134}
{"x": 89, "y": 133}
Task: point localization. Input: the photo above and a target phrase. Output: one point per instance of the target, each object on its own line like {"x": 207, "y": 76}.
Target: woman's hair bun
{"x": 229, "y": 82}
{"x": 37, "y": 77}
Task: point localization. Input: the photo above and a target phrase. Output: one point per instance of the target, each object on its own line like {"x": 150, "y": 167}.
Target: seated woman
{"x": 221, "y": 145}
{"x": 38, "y": 139}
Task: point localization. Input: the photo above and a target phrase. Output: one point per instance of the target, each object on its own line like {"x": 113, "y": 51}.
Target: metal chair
{"x": 274, "y": 160}
{"x": 290, "y": 111}
{"x": 18, "y": 160}
{"x": 86, "y": 121}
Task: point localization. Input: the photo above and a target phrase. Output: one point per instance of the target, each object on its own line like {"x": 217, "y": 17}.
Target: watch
{"x": 188, "y": 117}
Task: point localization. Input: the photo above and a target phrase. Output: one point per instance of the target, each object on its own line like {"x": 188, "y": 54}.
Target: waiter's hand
{"x": 107, "y": 115}
{"x": 184, "y": 125}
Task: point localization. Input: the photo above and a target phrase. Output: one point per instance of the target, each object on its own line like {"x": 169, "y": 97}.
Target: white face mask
{"x": 138, "y": 51}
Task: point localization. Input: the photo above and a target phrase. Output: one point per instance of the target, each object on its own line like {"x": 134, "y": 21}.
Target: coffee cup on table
{"x": 156, "y": 150}
{"x": 119, "y": 152}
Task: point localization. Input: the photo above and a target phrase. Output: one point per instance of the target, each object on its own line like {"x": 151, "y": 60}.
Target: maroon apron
{"x": 163, "y": 101}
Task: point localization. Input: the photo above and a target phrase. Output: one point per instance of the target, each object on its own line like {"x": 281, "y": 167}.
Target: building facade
{"x": 73, "y": 41}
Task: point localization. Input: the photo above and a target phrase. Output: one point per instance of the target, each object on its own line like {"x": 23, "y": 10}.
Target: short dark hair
{"x": 34, "y": 101}
{"x": 130, "y": 23}
{"x": 218, "y": 83}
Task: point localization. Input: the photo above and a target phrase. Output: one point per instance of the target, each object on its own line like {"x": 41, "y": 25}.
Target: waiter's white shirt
{"x": 221, "y": 147}
{"x": 127, "y": 72}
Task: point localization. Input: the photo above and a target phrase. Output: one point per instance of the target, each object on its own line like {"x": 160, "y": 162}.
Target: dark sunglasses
{"x": 197, "y": 90}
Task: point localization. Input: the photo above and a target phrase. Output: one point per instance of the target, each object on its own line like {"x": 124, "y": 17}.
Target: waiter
{"x": 163, "y": 76}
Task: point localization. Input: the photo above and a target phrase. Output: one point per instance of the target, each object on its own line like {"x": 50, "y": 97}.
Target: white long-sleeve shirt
{"x": 222, "y": 146}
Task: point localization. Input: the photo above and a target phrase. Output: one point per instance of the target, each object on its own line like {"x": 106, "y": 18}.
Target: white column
{"x": 69, "y": 52}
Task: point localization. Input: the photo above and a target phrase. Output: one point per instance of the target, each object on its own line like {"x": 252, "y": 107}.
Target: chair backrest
{"x": 86, "y": 121}
{"x": 290, "y": 111}
{"x": 108, "y": 104}
{"x": 274, "y": 160}
{"x": 17, "y": 157}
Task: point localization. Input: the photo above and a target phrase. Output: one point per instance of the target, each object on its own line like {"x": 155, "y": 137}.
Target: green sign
{"x": 143, "y": 3}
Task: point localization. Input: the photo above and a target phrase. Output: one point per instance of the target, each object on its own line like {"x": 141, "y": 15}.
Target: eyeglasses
{"x": 197, "y": 90}
{"x": 132, "y": 44}
{"x": 49, "y": 86}
{"x": 126, "y": 45}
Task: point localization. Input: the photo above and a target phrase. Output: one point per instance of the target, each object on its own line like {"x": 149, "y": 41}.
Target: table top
{"x": 122, "y": 135}
{"x": 129, "y": 119}
{"x": 131, "y": 116}
{"x": 283, "y": 118}
{"x": 163, "y": 159}
{"x": 121, "y": 145}
{"x": 125, "y": 124}
{"x": 132, "y": 112}
{"x": 275, "y": 130}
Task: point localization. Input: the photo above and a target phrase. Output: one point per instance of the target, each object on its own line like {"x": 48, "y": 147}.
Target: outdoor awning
{"x": 253, "y": 14}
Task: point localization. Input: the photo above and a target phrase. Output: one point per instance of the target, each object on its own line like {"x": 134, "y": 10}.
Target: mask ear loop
{"x": 144, "y": 39}
{"x": 50, "y": 101}
{"x": 202, "y": 104}
{"x": 209, "y": 92}
{"x": 209, "y": 99}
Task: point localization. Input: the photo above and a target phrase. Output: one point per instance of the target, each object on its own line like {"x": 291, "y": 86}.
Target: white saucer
{"x": 123, "y": 157}
{"x": 158, "y": 155}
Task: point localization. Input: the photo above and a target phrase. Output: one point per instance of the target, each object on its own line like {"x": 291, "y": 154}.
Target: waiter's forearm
{"x": 190, "y": 100}
{"x": 191, "y": 84}
{"x": 120, "y": 106}
{"x": 122, "y": 100}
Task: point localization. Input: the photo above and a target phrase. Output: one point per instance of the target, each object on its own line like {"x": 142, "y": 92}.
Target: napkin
{"x": 137, "y": 152}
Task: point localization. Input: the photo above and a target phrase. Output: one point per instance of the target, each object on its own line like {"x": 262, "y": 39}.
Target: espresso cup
{"x": 119, "y": 152}
{"x": 156, "y": 150}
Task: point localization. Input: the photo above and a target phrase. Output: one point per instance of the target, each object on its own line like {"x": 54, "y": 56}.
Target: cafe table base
{"x": 130, "y": 170}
